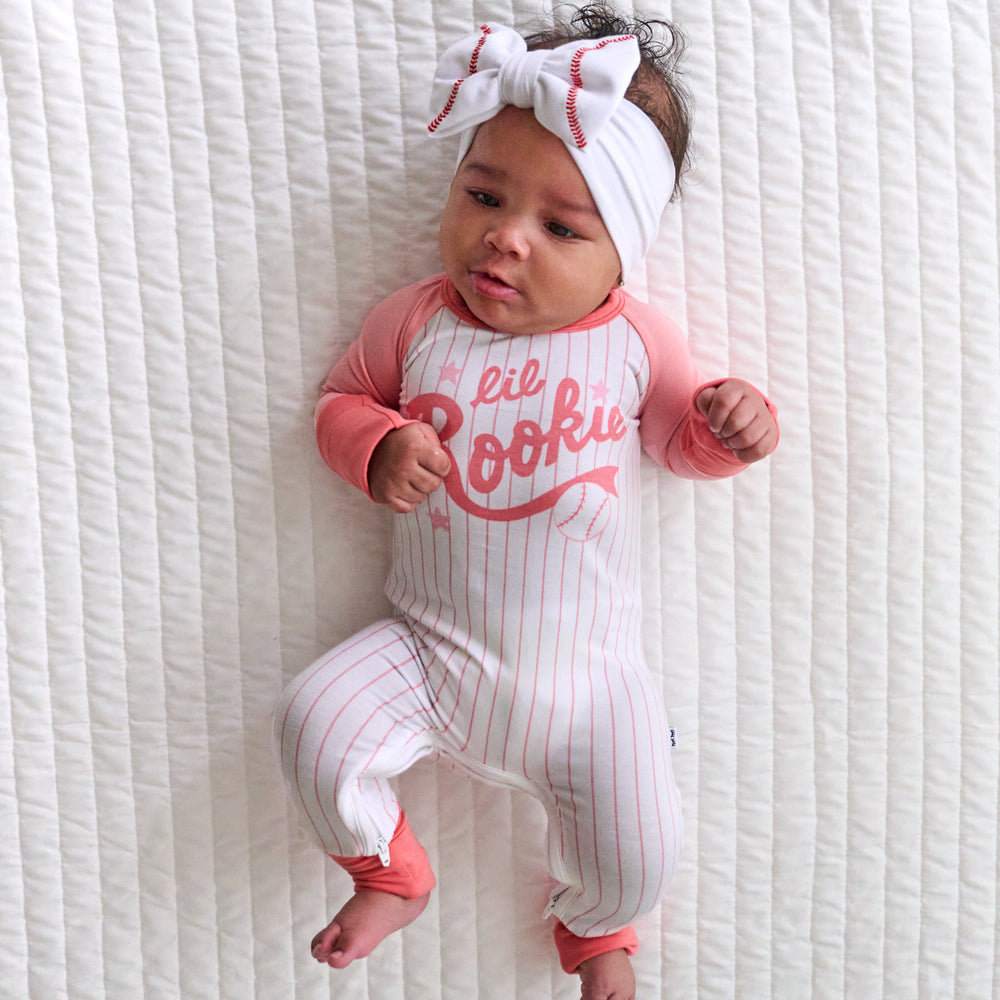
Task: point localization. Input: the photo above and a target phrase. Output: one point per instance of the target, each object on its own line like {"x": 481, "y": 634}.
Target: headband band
{"x": 577, "y": 92}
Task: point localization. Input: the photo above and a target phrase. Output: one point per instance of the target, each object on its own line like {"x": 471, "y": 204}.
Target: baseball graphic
{"x": 583, "y": 511}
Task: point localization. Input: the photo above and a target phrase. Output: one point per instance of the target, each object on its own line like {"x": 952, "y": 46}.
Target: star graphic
{"x": 440, "y": 520}
{"x": 600, "y": 391}
{"x": 449, "y": 373}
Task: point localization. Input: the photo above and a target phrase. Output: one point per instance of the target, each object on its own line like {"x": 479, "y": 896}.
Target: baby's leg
{"x": 602, "y": 963}
{"x": 386, "y": 898}
{"x": 608, "y": 976}
{"x": 616, "y": 828}
{"x": 343, "y": 728}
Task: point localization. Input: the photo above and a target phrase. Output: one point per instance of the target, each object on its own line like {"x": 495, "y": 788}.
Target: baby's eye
{"x": 485, "y": 198}
{"x": 563, "y": 232}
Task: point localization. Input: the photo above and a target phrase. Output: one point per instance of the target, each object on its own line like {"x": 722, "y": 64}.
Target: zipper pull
{"x": 382, "y": 849}
{"x": 554, "y": 898}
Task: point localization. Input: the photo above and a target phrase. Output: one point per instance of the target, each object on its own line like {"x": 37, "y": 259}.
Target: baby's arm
{"x": 738, "y": 415}
{"x": 697, "y": 429}
{"x": 359, "y": 408}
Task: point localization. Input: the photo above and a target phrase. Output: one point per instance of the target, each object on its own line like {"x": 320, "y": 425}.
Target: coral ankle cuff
{"x": 402, "y": 868}
{"x": 573, "y": 950}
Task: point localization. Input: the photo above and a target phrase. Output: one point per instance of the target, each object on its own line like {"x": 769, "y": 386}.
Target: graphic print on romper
{"x": 512, "y": 431}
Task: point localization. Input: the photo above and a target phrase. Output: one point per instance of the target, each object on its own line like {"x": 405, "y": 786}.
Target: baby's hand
{"x": 407, "y": 465}
{"x": 738, "y": 416}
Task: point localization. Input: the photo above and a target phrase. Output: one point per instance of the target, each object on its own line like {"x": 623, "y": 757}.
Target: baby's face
{"x": 521, "y": 237}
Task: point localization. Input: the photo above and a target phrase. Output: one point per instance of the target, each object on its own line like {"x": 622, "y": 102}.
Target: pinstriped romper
{"x": 516, "y": 652}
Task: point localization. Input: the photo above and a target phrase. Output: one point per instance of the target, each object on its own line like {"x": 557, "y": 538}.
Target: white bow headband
{"x": 577, "y": 92}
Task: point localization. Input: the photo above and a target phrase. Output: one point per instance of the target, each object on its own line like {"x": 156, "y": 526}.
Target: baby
{"x": 499, "y": 409}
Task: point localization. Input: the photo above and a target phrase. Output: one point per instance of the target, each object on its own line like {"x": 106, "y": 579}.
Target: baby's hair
{"x": 656, "y": 88}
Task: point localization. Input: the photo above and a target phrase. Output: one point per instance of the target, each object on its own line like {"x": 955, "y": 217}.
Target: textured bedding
{"x": 199, "y": 203}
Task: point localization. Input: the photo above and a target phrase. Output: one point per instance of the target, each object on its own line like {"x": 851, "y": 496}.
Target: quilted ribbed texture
{"x": 198, "y": 205}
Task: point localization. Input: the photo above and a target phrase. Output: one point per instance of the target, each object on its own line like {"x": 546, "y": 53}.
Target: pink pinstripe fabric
{"x": 517, "y": 651}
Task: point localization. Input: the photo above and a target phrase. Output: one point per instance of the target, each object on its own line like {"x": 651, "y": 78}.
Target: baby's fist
{"x": 738, "y": 416}
{"x": 407, "y": 465}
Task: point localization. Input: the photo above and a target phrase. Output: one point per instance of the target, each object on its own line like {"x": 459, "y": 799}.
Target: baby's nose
{"x": 510, "y": 237}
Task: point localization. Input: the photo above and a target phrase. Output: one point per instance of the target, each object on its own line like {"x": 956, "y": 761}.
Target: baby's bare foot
{"x": 608, "y": 977}
{"x": 365, "y": 919}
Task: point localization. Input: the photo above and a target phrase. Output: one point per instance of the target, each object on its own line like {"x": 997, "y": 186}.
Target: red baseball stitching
{"x": 473, "y": 66}
{"x": 448, "y": 105}
{"x": 572, "y": 115}
{"x": 473, "y": 63}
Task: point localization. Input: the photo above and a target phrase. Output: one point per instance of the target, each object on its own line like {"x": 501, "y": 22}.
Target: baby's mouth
{"x": 490, "y": 286}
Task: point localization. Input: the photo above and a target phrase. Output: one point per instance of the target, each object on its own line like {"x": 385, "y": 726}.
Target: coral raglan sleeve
{"x": 672, "y": 429}
{"x": 359, "y": 403}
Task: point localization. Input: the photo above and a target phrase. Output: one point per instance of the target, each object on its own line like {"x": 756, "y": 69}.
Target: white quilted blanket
{"x": 199, "y": 201}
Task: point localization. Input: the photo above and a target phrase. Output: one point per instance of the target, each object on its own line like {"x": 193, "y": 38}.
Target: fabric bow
{"x": 574, "y": 88}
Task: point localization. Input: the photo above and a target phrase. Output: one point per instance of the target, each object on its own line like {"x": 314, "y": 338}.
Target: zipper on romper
{"x": 554, "y": 898}
{"x": 382, "y": 849}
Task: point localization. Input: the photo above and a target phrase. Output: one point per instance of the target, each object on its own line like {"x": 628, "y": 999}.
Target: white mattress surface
{"x": 199, "y": 202}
